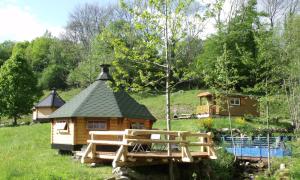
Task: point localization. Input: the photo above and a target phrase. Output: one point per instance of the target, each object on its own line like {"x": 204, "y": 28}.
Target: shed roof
{"x": 204, "y": 94}
{"x": 52, "y": 100}
{"x": 208, "y": 93}
{"x": 99, "y": 100}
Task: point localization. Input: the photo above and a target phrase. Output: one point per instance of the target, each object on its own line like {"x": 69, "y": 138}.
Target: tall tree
{"x": 18, "y": 85}
{"x": 238, "y": 35}
{"x": 225, "y": 82}
{"x": 162, "y": 24}
{"x": 85, "y": 22}
{"x": 291, "y": 56}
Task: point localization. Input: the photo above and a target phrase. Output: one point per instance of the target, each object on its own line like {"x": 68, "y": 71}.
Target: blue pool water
{"x": 259, "y": 151}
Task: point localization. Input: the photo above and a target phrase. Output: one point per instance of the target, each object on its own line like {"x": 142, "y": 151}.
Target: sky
{"x": 22, "y": 20}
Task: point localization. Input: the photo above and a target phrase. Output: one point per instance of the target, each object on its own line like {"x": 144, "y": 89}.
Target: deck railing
{"x": 183, "y": 140}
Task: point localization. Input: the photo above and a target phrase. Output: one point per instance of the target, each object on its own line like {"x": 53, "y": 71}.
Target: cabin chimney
{"x": 104, "y": 75}
{"x": 53, "y": 90}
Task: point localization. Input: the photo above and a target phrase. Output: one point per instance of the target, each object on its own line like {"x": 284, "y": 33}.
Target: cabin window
{"x": 235, "y": 101}
{"x": 61, "y": 126}
{"x": 97, "y": 125}
{"x": 137, "y": 125}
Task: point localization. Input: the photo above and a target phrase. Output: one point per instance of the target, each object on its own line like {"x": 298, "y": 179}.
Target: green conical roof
{"x": 99, "y": 100}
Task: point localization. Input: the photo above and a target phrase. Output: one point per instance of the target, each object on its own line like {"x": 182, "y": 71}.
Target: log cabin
{"x": 212, "y": 105}
{"x": 42, "y": 110}
{"x": 97, "y": 108}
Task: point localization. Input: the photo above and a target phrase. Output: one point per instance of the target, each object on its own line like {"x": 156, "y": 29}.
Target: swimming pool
{"x": 261, "y": 152}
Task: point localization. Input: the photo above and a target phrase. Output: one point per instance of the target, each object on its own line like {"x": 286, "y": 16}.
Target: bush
{"x": 224, "y": 167}
{"x": 240, "y": 121}
{"x": 249, "y": 117}
{"x": 207, "y": 123}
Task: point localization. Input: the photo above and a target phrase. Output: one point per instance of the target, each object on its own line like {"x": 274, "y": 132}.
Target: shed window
{"x": 97, "y": 125}
{"x": 61, "y": 125}
{"x": 235, "y": 101}
{"x": 137, "y": 125}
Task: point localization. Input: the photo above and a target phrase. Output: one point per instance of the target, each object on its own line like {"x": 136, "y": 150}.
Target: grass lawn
{"x": 25, "y": 153}
{"x": 181, "y": 101}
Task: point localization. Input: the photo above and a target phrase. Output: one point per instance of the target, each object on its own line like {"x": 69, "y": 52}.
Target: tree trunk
{"x": 268, "y": 133}
{"x": 230, "y": 126}
{"x": 168, "y": 114}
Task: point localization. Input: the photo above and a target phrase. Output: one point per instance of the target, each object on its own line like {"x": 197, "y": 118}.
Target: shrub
{"x": 221, "y": 168}
{"x": 249, "y": 117}
{"x": 240, "y": 121}
{"x": 207, "y": 123}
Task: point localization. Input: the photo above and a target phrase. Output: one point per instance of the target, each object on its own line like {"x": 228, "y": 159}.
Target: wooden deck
{"x": 143, "y": 147}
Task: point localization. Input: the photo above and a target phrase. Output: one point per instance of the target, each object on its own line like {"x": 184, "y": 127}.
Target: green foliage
{"x": 38, "y": 52}
{"x": 53, "y": 77}
{"x": 131, "y": 57}
{"x": 5, "y": 51}
{"x": 84, "y": 74}
{"x": 221, "y": 168}
{"x": 235, "y": 41}
{"x": 18, "y": 85}
{"x": 240, "y": 121}
{"x": 143, "y": 48}
{"x": 207, "y": 123}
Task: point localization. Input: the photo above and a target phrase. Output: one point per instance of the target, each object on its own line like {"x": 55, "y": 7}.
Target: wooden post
{"x": 208, "y": 141}
{"x": 85, "y": 154}
{"x": 125, "y": 151}
{"x": 185, "y": 153}
{"x": 201, "y": 140}
{"x": 93, "y": 147}
{"x": 118, "y": 156}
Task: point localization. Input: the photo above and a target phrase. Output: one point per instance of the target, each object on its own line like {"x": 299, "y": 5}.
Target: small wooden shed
{"x": 42, "y": 110}
{"x": 212, "y": 105}
{"x": 97, "y": 108}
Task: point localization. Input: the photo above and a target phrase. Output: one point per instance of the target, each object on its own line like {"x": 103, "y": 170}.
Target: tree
{"x": 18, "y": 85}
{"x": 5, "y": 51}
{"x": 38, "y": 51}
{"x": 84, "y": 24}
{"x": 54, "y": 76}
{"x": 121, "y": 45}
{"x": 291, "y": 39}
{"x": 238, "y": 35}
{"x": 225, "y": 82}
{"x": 163, "y": 24}
{"x": 86, "y": 21}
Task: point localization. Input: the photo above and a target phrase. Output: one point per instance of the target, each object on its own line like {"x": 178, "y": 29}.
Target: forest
{"x": 253, "y": 49}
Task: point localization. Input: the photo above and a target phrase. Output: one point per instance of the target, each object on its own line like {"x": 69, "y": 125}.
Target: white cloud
{"x": 19, "y": 24}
